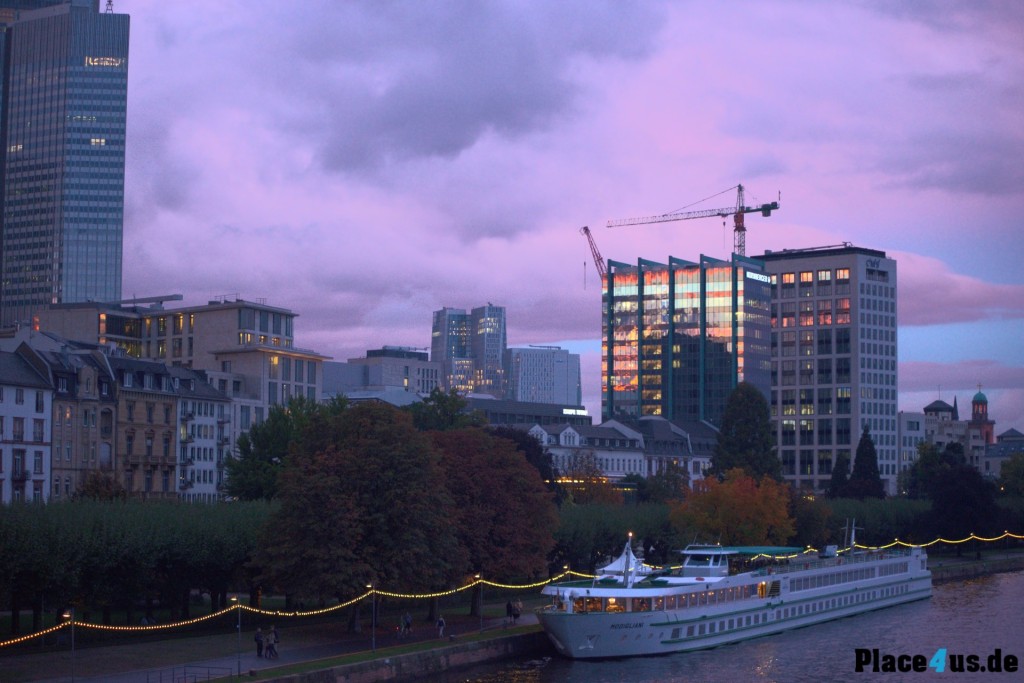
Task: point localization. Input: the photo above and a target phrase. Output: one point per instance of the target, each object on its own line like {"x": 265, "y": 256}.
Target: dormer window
{"x": 126, "y": 380}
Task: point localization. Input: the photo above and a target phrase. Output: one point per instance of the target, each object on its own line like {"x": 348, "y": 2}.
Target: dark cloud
{"x": 445, "y": 75}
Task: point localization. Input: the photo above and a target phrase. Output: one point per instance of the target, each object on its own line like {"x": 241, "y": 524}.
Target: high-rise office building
{"x": 62, "y": 152}
{"x": 678, "y": 337}
{"x": 834, "y": 360}
{"x": 543, "y": 374}
{"x": 471, "y": 347}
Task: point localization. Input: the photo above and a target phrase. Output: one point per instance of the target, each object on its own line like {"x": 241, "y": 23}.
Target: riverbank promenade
{"x": 170, "y": 661}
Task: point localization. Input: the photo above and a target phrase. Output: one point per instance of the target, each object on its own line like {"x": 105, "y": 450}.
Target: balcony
{"x": 188, "y": 438}
{"x": 185, "y": 485}
{"x": 185, "y": 417}
{"x": 19, "y": 475}
{"x": 223, "y": 419}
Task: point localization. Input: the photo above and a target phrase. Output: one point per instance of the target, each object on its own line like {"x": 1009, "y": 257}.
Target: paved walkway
{"x": 219, "y": 667}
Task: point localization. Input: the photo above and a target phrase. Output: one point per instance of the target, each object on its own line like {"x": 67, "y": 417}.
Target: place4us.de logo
{"x": 875, "y": 661}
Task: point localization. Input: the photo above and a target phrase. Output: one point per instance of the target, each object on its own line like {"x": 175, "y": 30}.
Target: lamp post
{"x": 238, "y": 628}
{"x": 70, "y": 614}
{"x": 479, "y": 578}
{"x": 373, "y": 616}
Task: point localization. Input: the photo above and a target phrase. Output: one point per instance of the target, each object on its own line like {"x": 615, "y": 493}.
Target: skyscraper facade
{"x": 62, "y": 153}
{"x": 678, "y": 337}
{"x": 472, "y": 348}
{"x": 834, "y": 359}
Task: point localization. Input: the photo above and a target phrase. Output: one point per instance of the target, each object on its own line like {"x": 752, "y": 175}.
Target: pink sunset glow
{"x": 367, "y": 163}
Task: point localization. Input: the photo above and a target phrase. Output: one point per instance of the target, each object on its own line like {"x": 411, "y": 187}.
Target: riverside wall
{"x": 946, "y": 569}
{"x": 409, "y": 667}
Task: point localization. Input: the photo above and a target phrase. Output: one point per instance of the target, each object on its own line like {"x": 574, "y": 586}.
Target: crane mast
{"x": 602, "y": 269}
{"x": 737, "y": 212}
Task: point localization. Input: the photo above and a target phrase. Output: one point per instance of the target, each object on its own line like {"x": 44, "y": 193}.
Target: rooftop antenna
{"x": 110, "y": 6}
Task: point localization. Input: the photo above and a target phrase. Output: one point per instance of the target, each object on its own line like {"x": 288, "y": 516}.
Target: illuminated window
{"x": 97, "y": 142}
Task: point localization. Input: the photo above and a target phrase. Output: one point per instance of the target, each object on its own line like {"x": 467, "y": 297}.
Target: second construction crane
{"x": 737, "y": 212}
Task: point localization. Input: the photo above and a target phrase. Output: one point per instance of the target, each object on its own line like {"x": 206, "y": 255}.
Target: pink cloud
{"x": 930, "y": 293}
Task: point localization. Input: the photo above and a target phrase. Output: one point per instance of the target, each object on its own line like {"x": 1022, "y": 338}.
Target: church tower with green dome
{"x": 979, "y": 418}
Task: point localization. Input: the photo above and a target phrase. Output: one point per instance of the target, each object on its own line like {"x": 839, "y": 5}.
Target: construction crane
{"x": 602, "y": 270}
{"x": 737, "y": 212}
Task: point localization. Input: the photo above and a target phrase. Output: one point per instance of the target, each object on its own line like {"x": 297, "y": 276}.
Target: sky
{"x": 366, "y": 163}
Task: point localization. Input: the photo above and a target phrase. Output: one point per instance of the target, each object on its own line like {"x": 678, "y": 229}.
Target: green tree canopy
{"x": 920, "y": 479}
{"x": 536, "y": 454}
{"x": 1011, "y": 475}
{"x": 371, "y": 507}
{"x": 865, "y": 482}
{"x": 253, "y": 473}
{"x": 840, "y": 476}
{"x": 442, "y": 410}
{"x": 745, "y": 439}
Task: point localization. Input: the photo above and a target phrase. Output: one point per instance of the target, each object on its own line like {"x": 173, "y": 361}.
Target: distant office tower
{"x": 472, "y": 348}
{"x": 487, "y": 346}
{"x": 62, "y": 151}
{"x": 834, "y": 360}
{"x": 678, "y": 338}
{"x": 544, "y": 374}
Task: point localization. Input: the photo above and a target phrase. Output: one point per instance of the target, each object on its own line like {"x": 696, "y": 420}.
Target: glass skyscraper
{"x": 472, "y": 348}
{"x": 678, "y": 337}
{"x": 62, "y": 154}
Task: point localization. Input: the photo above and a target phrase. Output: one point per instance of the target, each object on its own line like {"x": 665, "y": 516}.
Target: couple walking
{"x": 266, "y": 643}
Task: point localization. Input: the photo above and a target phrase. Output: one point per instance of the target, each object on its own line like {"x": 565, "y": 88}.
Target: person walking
{"x": 440, "y": 626}
{"x": 259, "y": 642}
{"x": 508, "y": 612}
{"x": 407, "y": 624}
{"x": 517, "y": 609}
{"x": 270, "y": 641}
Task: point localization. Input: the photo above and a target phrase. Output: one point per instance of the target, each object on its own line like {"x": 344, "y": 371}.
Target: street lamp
{"x": 373, "y": 616}
{"x": 238, "y": 627}
{"x": 70, "y": 614}
{"x": 480, "y": 581}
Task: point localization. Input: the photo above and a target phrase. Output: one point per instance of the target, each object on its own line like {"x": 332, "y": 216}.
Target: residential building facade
{"x": 25, "y": 430}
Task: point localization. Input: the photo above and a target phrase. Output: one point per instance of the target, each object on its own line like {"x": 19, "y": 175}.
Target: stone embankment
{"x": 523, "y": 646}
{"x": 955, "y": 569}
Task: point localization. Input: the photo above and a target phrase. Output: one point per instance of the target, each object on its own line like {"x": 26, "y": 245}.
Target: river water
{"x": 972, "y": 617}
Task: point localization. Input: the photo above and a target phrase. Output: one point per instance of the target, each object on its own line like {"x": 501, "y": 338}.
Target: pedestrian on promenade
{"x": 517, "y": 609}
{"x": 407, "y": 624}
{"x": 259, "y": 642}
{"x": 271, "y": 640}
{"x": 440, "y": 626}
{"x": 508, "y": 612}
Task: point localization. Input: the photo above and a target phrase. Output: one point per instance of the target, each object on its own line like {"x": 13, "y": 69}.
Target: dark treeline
{"x": 123, "y": 556}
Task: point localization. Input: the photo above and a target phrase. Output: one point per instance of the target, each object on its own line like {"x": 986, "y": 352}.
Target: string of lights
{"x": 441, "y": 594}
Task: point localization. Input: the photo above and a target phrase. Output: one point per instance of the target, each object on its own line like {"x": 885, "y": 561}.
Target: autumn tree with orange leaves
{"x": 739, "y": 510}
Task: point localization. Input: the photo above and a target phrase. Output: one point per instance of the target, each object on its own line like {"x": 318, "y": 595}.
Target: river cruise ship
{"x": 723, "y": 595}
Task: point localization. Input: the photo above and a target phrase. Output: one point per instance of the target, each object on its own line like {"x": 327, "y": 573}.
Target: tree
{"x": 444, "y": 410}
{"x": 502, "y": 514}
{"x": 585, "y": 482}
{"x": 811, "y": 517}
{"x": 738, "y": 510}
{"x": 865, "y": 481}
{"x": 745, "y": 439}
{"x": 253, "y": 473}
{"x": 536, "y": 454}
{"x": 100, "y": 486}
{"x": 919, "y": 481}
{"x": 1011, "y": 475}
{"x": 840, "y": 477}
{"x": 670, "y": 485}
{"x": 963, "y": 503}
{"x": 370, "y": 506}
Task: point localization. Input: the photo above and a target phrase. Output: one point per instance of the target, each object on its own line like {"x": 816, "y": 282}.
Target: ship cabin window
{"x": 613, "y": 605}
{"x": 641, "y": 605}
{"x": 659, "y": 604}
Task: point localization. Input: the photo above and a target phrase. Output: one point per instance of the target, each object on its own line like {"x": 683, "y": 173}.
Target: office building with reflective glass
{"x": 471, "y": 346}
{"x": 834, "y": 360}
{"x": 65, "y": 85}
{"x": 678, "y": 337}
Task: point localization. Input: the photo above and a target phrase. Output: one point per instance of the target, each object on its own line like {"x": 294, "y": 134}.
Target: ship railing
{"x": 799, "y": 564}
